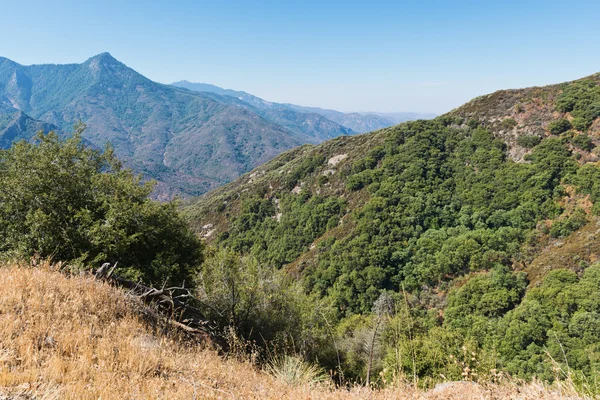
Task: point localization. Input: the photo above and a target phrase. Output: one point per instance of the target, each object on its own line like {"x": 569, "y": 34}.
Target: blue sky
{"x": 428, "y": 56}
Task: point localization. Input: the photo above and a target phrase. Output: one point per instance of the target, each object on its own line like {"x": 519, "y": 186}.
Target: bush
{"x": 569, "y": 225}
{"x": 584, "y": 142}
{"x": 61, "y": 200}
{"x": 559, "y": 126}
{"x": 581, "y": 124}
{"x": 258, "y": 302}
{"x": 528, "y": 141}
{"x": 295, "y": 371}
{"x": 508, "y": 124}
{"x": 472, "y": 123}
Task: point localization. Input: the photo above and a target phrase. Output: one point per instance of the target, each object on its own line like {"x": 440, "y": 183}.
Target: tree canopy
{"x": 69, "y": 202}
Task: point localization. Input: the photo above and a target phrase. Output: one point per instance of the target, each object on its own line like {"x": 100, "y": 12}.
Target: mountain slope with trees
{"x": 428, "y": 236}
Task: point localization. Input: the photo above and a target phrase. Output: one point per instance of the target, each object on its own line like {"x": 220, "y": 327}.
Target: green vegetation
{"x": 584, "y": 142}
{"x": 529, "y": 141}
{"x": 559, "y": 126}
{"x": 582, "y": 100}
{"x": 411, "y": 274}
{"x": 509, "y": 123}
{"x": 448, "y": 195}
{"x": 565, "y": 227}
{"x": 61, "y": 200}
{"x": 279, "y": 240}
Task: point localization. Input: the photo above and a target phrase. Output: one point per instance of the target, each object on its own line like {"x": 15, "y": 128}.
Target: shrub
{"x": 569, "y": 225}
{"x": 559, "y": 126}
{"x": 528, "y": 141}
{"x": 295, "y": 371}
{"x": 61, "y": 200}
{"x": 472, "y": 123}
{"x": 508, "y": 124}
{"x": 254, "y": 300}
{"x": 584, "y": 142}
{"x": 581, "y": 124}
{"x": 565, "y": 104}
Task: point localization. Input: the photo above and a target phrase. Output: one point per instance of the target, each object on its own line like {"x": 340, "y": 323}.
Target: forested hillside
{"x": 440, "y": 240}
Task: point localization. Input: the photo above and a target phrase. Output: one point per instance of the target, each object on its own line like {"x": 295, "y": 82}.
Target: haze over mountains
{"x": 190, "y": 142}
{"x": 358, "y": 122}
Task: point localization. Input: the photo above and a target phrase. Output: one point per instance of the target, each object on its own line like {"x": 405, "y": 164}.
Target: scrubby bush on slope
{"x": 62, "y": 200}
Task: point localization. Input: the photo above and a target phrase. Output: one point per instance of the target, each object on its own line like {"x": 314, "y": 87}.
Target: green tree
{"x": 65, "y": 201}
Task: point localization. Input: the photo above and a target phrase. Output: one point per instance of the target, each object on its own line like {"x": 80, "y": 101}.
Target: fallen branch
{"x": 173, "y": 304}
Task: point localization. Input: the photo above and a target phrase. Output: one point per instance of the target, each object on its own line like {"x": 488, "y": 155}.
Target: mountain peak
{"x": 103, "y": 59}
{"x": 106, "y": 63}
{"x": 106, "y": 56}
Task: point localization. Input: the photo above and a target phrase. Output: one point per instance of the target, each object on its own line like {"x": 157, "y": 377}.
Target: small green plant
{"x": 472, "y": 123}
{"x": 569, "y": 225}
{"x": 323, "y": 179}
{"x": 581, "y": 124}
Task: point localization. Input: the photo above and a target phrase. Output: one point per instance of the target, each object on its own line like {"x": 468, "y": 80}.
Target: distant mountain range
{"x": 190, "y": 142}
{"x": 357, "y": 122}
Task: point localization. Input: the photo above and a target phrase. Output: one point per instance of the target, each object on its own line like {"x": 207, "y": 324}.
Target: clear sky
{"x": 428, "y": 56}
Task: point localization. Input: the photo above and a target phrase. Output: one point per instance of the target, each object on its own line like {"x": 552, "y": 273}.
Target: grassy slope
{"x": 76, "y": 338}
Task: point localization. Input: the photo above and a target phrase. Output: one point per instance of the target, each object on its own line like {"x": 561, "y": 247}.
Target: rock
{"x": 333, "y": 161}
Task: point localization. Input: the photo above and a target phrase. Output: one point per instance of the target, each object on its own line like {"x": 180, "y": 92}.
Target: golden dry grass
{"x": 76, "y": 338}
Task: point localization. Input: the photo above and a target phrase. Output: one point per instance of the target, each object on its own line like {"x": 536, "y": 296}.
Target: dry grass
{"x": 76, "y": 338}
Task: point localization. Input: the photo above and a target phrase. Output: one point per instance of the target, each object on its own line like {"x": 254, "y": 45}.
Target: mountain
{"x": 475, "y": 230}
{"x": 15, "y": 125}
{"x": 365, "y": 121}
{"x": 512, "y": 123}
{"x": 531, "y": 112}
{"x": 281, "y": 112}
{"x": 189, "y": 142}
{"x": 314, "y": 127}
{"x": 399, "y": 117}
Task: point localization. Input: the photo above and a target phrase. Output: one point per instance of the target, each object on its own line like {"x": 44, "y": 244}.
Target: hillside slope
{"x": 328, "y": 170}
{"x": 15, "y": 125}
{"x": 76, "y": 338}
{"x": 510, "y": 114}
{"x": 472, "y": 226}
{"x": 186, "y": 140}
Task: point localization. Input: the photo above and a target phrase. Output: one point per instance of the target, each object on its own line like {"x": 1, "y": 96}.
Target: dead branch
{"x": 173, "y": 303}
